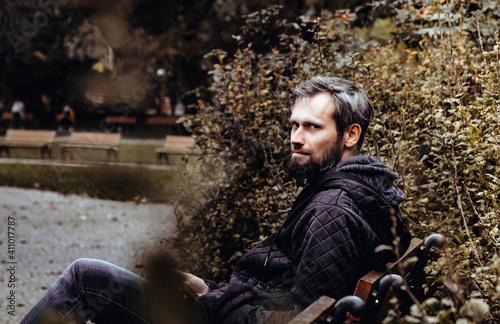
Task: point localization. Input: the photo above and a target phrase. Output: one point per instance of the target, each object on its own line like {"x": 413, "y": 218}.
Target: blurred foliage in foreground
{"x": 431, "y": 69}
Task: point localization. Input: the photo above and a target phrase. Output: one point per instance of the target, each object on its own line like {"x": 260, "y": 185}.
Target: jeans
{"x": 104, "y": 293}
{"x": 17, "y": 121}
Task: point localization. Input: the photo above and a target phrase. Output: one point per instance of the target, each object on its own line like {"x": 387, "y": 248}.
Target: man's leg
{"x": 16, "y": 120}
{"x": 94, "y": 290}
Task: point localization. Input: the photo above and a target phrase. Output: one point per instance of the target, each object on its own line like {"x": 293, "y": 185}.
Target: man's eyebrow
{"x": 307, "y": 121}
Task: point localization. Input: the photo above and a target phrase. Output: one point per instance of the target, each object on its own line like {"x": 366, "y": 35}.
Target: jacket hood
{"x": 376, "y": 174}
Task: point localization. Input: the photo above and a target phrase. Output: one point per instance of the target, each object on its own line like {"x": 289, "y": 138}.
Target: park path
{"x": 52, "y": 230}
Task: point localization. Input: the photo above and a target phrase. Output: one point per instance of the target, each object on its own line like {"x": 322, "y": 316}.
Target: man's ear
{"x": 351, "y": 135}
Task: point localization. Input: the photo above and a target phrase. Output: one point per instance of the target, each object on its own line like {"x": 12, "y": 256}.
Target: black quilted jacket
{"x": 324, "y": 246}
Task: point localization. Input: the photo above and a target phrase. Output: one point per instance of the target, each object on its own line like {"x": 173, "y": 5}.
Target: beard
{"x": 314, "y": 166}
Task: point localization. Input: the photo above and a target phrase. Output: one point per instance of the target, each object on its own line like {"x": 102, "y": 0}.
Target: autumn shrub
{"x": 431, "y": 69}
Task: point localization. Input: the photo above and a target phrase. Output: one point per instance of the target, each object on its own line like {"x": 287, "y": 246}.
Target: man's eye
{"x": 315, "y": 126}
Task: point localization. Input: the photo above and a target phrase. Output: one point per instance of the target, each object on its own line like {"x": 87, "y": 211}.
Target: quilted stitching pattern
{"x": 322, "y": 252}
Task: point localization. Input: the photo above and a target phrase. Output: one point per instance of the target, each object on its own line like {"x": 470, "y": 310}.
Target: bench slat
{"x": 84, "y": 146}
{"x": 161, "y": 120}
{"x": 24, "y": 144}
{"x": 313, "y": 312}
{"x": 121, "y": 120}
{"x": 179, "y": 141}
{"x": 36, "y": 136}
{"x": 6, "y": 115}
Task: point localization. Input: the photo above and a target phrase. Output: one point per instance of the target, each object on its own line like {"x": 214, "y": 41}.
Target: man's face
{"x": 315, "y": 142}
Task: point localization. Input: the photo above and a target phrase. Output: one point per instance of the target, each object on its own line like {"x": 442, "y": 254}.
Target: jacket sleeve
{"x": 330, "y": 254}
{"x": 327, "y": 266}
{"x": 212, "y": 285}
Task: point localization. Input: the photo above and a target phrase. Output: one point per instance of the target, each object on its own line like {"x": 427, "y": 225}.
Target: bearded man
{"x": 328, "y": 241}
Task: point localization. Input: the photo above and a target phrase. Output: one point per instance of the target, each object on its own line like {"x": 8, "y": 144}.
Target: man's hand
{"x": 197, "y": 285}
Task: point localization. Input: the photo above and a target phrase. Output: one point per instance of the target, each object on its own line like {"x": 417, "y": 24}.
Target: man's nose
{"x": 297, "y": 137}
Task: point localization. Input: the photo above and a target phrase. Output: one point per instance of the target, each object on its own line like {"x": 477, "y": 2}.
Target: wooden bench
{"x": 161, "y": 120}
{"x": 369, "y": 302}
{"x": 121, "y": 121}
{"x": 21, "y": 138}
{"x": 6, "y": 115}
{"x": 92, "y": 141}
{"x": 327, "y": 310}
{"x": 175, "y": 144}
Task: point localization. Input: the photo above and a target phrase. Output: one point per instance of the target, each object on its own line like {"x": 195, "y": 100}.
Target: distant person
{"x": 66, "y": 120}
{"x": 166, "y": 106}
{"x": 179, "y": 108}
{"x": 47, "y": 113}
{"x": 17, "y": 111}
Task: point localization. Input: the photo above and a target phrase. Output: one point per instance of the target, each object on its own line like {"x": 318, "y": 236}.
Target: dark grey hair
{"x": 351, "y": 103}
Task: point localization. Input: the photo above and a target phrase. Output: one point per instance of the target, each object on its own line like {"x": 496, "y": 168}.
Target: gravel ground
{"x": 52, "y": 230}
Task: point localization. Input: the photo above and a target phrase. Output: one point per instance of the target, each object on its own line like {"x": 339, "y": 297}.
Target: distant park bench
{"x": 21, "y": 138}
{"x": 92, "y": 141}
{"x": 161, "y": 120}
{"x": 120, "y": 121}
{"x": 175, "y": 144}
{"x": 6, "y": 115}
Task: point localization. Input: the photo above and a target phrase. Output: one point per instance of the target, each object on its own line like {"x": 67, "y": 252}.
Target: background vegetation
{"x": 106, "y": 56}
{"x": 431, "y": 69}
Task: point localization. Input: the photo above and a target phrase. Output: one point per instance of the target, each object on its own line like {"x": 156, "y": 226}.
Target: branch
{"x": 459, "y": 204}
{"x": 477, "y": 214}
{"x": 480, "y": 39}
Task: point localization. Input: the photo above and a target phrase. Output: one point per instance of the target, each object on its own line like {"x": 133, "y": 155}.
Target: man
{"x": 327, "y": 242}
{"x": 47, "y": 114}
{"x": 17, "y": 111}
{"x": 66, "y": 119}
